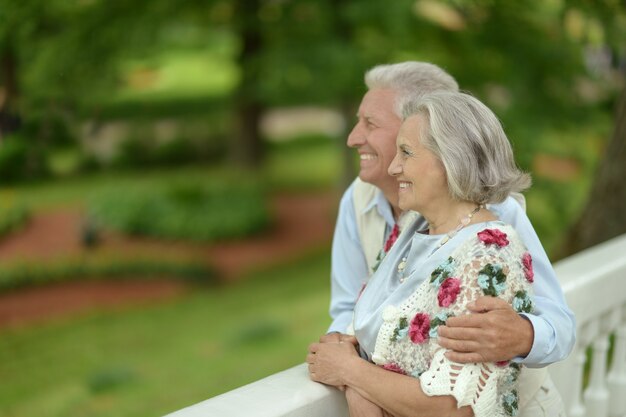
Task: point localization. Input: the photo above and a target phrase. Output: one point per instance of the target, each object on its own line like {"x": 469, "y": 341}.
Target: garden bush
{"x": 140, "y": 151}
{"x": 49, "y": 127}
{"x": 185, "y": 211}
{"x": 21, "y": 159}
{"x": 12, "y": 217}
{"x": 25, "y": 274}
{"x": 174, "y": 141}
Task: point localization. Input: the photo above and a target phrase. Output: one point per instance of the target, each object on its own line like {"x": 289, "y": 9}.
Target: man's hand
{"x": 336, "y": 337}
{"x": 494, "y": 332}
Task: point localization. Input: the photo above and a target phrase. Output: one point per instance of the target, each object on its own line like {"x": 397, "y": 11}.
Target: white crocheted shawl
{"x": 492, "y": 262}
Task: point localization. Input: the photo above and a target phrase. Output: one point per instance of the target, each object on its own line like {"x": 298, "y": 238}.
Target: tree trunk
{"x": 345, "y": 34}
{"x": 248, "y": 143}
{"x": 9, "y": 115}
{"x": 604, "y": 216}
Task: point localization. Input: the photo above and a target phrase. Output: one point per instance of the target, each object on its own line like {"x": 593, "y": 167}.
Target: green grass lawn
{"x": 182, "y": 73}
{"x": 155, "y": 359}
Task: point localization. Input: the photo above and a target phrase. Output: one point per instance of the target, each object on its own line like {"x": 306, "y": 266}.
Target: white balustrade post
{"x": 577, "y": 408}
{"x": 617, "y": 376}
{"x": 597, "y": 393}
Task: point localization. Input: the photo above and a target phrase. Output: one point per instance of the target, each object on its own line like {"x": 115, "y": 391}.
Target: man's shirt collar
{"x": 382, "y": 205}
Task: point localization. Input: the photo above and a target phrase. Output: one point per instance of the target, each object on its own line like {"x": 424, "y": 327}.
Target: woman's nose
{"x": 395, "y": 168}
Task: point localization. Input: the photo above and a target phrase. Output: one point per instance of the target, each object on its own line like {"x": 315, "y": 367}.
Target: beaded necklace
{"x": 464, "y": 222}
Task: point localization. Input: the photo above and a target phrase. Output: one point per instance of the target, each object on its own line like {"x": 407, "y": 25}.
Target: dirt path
{"x": 302, "y": 222}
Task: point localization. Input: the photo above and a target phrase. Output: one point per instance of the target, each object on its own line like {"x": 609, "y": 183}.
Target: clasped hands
{"x": 329, "y": 359}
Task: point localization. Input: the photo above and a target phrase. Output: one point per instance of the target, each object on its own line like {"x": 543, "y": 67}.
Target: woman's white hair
{"x": 410, "y": 80}
{"x": 469, "y": 140}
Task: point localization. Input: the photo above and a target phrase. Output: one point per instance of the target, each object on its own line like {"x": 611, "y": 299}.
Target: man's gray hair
{"x": 469, "y": 140}
{"x": 410, "y": 80}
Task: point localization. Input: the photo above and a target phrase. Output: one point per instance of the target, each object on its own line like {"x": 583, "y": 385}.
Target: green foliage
{"x": 59, "y": 56}
{"x": 530, "y": 60}
{"x": 185, "y": 211}
{"x": 172, "y": 141}
{"x": 48, "y": 128}
{"x": 21, "y": 160}
{"x": 200, "y": 68}
{"x": 171, "y": 107}
{"x": 12, "y": 217}
{"x": 142, "y": 152}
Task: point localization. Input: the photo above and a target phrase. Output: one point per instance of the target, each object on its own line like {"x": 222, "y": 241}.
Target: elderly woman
{"x": 452, "y": 159}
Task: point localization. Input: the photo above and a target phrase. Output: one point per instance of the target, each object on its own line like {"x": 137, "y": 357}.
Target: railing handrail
{"x": 590, "y": 274}
{"x": 289, "y": 393}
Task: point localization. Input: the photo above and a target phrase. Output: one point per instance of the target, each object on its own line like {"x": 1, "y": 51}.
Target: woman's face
{"x": 420, "y": 174}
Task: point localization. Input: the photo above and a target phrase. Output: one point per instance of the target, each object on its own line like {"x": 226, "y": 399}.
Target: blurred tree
{"x": 248, "y": 146}
{"x": 12, "y": 32}
{"x": 604, "y": 216}
{"x": 516, "y": 56}
{"x": 525, "y": 59}
{"x": 59, "y": 56}
{"x": 292, "y": 53}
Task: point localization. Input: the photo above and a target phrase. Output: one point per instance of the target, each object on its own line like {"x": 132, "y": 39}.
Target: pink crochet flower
{"x": 502, "y": 364}
{"x": 393, "y": 236}
{"x": 490, "y": 236}
{"x": 448, "y": 291}
{"x": 419, "y": 328}
{"x": 393, "y": 368}
{"x": 527, "y": 261}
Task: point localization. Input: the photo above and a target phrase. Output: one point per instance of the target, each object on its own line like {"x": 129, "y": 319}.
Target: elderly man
{"x": 369, "y": 221}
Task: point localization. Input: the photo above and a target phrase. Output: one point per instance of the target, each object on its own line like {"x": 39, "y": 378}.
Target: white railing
{"x": 594, "y": 283}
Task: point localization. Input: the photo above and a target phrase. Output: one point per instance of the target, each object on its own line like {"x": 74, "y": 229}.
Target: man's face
{"x": 374, "y": 136}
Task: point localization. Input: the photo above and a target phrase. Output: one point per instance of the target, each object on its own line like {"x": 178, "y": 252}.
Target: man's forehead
{"x": 379, "y": 95}
{"x": 378, "y": 103}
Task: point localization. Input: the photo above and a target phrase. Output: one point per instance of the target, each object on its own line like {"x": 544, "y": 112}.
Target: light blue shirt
{"x": 553, "y": 322}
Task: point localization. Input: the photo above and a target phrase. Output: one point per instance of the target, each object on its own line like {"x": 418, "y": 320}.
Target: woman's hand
{"x": 329, "y": 362}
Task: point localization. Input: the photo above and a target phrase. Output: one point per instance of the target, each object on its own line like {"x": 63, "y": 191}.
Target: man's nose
{"x": 356, "y": 137}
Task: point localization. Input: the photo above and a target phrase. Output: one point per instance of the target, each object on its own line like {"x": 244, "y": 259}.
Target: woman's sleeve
{"x": 493, "y": 263}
